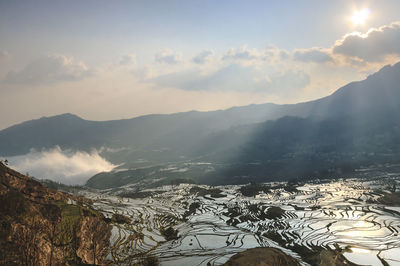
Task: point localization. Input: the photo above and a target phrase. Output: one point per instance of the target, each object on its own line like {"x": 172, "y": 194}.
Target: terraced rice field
{"x": 208, "y": 228}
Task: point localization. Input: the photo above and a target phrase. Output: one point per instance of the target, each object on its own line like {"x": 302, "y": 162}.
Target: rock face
{"x": 41, "y": 226}
{"x": 262, "y": 257}
{"x": 94, "y": 243}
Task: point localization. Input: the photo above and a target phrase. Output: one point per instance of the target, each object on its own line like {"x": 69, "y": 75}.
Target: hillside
{"x": 181, "y": 132}
{"x": 292, "y": 148}
{"x": 356, "y": 125}
{"x": 41, "y": 226}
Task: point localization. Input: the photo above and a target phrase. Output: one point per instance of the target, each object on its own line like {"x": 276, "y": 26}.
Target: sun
{"x": 359, "y": 17}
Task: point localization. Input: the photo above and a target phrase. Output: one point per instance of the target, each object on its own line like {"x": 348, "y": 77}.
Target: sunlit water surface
{"x": 341, "y": 212}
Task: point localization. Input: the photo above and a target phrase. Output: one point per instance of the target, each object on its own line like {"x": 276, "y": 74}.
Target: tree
{"x": 53, "y": 213}
{"x": 27, "y": 237}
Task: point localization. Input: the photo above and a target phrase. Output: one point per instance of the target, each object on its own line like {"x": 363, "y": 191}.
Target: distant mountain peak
{"x": 63, "y": 116}
{"x": 386, "y": 70}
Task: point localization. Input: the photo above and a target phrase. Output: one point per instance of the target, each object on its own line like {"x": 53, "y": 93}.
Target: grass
{"x": 66, "y": 228}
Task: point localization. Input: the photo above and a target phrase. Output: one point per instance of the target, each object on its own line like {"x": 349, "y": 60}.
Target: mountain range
{"x": 357, "y": 125}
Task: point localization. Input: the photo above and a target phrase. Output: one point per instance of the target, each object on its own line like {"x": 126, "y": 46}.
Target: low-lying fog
{"x": 65, "y": 166}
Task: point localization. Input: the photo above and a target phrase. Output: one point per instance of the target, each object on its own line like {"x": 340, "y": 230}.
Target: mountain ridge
{"x": 352, "y": 112}
{"x": 340, "y": 90}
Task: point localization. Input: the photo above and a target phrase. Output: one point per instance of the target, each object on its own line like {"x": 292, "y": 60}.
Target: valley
{"x": 200, "y": 133}
{"x": 210, "y": 224}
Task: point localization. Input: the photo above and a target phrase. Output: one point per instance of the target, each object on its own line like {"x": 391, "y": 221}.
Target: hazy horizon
{"x": 165, "y": 113}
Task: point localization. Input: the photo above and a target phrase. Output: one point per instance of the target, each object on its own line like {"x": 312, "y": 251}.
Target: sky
{"x": 106, "y": 60}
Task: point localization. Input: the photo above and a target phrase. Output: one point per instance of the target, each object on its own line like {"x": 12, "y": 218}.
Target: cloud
{"x": 60, "y": 165}
{"x": 316, "y": 55}
{"x": 203, "y": 57}
{"x": 4, "y": 54}
{"x": 243, "y": 53}
{"x": 283, "y": 55}
{"x": 252, "y": 56}
{"x": 49, "y": 69}
{"x": 128, "y": 60}
{"x": 372, "y": 46}
{"x": 168, "y": 57}
{"x": 235, "y": 77}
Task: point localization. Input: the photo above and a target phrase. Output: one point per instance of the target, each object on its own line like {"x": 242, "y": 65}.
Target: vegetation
{"x": 149, "y": 261}
{"x": 136, "y": 194}
{"x": 39, "y": 227}
{"x": 120, "y": 219}
{"x": 62, "y": 187}
{"x": 262, "y": 256}
{"x": 169, "y": 233}
{"x": 212, "y": 192}
{"x": 274, "y": 213}
{"x": 254, "y": 189}
{"x": 192, "y": 209}
{"x": 390, "y": 199}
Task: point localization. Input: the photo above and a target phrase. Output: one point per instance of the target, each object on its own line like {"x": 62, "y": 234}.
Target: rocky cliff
{"x": 41, "y": 226}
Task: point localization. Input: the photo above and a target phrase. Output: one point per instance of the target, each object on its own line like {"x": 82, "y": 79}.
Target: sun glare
{"x": 359, "y": 17}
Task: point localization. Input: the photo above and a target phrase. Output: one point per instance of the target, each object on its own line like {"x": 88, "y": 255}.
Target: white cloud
{"x": 315, "y": 54}
{"x": 128, "y": 60}
{"x": 372, "y": 46}
{"x": 243, "y": 53}
{"x": 252, "y": 56}
{"x": 60, "y": 165}
{"x": 49, "y": 69}
{"x": 168, "y": 57}
{"x": 203, "y": 57}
